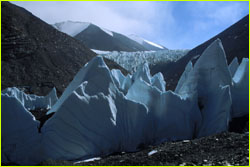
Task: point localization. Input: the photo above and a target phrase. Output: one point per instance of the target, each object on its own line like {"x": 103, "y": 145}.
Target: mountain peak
{"x": 99, "y": 38}
{"x": 146, "y": 43}
{"x": 71, "y": 28}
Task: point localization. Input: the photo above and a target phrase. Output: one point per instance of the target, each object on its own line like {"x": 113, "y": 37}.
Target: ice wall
{"x": 103, "y": 111}
{"x": 20, "y": 140}
{"x": 30, "y": 101}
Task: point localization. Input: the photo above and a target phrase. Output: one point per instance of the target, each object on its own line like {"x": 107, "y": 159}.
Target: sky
{"x": 175, "y": 25}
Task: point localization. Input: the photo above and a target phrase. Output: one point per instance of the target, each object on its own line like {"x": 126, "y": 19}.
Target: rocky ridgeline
{"x": 36, "y": 55}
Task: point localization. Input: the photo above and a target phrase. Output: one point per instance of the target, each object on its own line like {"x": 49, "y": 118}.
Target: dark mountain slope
{"x": 36, "y": 55}
{"x": 95, "y": 38}
{"x": 235, "y": 40}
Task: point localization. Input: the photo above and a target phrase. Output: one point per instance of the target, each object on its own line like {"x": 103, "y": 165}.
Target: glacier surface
{"x": 20, "y": 138}
{"x": 240, "y": 90}
{"x": 32, "y": 102}
{"x": 103, "y": 111}
{"x": 132, "y": 60}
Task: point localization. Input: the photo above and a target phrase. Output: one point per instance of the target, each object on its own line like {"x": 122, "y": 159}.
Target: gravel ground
{"x": 227, "y": 148}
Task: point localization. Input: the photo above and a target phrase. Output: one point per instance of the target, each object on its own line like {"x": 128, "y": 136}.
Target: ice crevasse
{"x": 103, "y": 111}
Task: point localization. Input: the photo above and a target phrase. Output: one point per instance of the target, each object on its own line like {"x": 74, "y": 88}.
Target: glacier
{"x": 102, "y": 111}
{"x": 233, "y": 66}
{"x": 32, "y": 102}
{"x": 240, "y": 90}
{"x": 210, "y": 79}
{"x": 132, "y": 60}
{"x": 20, "y": 140}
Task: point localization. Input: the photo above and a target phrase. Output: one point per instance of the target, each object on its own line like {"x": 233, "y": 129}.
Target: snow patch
{"x": 100, "y": 51}
{"x": 141, "y": 41}
{"x": 152, "y": 152}
{"x": 136, "y": 38}
{"x": 71, "y": 28}
{"x": 154, "y": 44}
{"x": 107, "y": 31}
{"x": 88, "y": 160}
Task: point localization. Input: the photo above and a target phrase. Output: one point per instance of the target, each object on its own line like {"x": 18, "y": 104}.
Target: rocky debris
{"x": 40, "y": 115}
{"x": 239, "y": 124}
{"x": 226, "y": 148}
